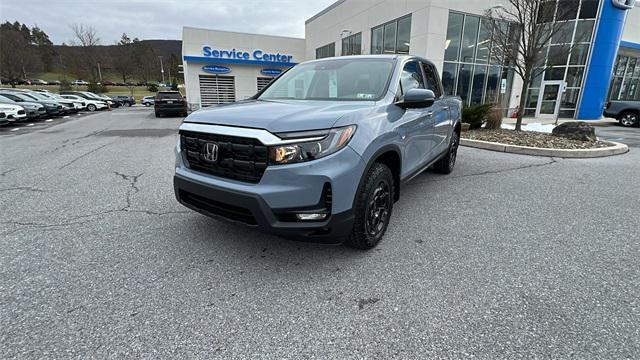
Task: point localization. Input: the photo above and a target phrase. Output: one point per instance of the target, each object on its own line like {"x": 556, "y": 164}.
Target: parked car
{"x": 89, "y": 104}
{"x": 68, "y": 106}
{"x": 90, "y": 96}
{"x": 169, "y": 103}
{"x": 79, "y": 82}
{"x": 34, "y": 110}
{"x": 38, "y": 82}
{"x": 147, "y": 100}
{"x": 124, "y": 99}
{"x": 54, "y": 82}
{"x": 325, "y": 164}
{"x": 108, "y": 83}
{"x": 53, "y": 108}
{"x": 106, "y": 99}
{"x": 626, "y": 112}
{"x": 14, "y": 113}
{"x": 3, "y": 119}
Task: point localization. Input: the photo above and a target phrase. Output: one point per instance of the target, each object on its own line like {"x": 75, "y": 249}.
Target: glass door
{"x": 549, "y": 101}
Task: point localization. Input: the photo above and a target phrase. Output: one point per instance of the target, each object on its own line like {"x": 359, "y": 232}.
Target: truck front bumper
{"x": 285, "y": 190}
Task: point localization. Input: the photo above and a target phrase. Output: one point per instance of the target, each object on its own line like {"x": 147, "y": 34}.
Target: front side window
{"x": 411, "y": 77}
{"x": 431, "y": 79}
{"x": 335, "y": 79}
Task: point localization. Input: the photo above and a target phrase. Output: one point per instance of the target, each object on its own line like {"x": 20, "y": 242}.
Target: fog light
{"x": 309, "y": 217}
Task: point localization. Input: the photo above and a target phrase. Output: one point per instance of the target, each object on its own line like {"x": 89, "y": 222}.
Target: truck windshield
{"x": 335, "y": 79}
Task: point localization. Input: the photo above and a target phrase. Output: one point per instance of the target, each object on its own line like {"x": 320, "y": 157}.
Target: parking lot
{"x": 509, "y": 256}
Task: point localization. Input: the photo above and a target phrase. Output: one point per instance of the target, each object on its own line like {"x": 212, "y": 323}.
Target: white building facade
{"x": 604, "y": 65}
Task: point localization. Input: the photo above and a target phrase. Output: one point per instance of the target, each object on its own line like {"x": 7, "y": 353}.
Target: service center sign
{"x": 255, "y": 55}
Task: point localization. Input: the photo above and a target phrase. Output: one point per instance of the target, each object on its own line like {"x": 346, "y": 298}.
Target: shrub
{"x": 152, "y": 88}
{"x": 96, "y": 88}
{"x": 476, "y": 115}
{"x": 494, "y": 119}
{"x": 65, "y": 85}
{"x": 174, "y": 86}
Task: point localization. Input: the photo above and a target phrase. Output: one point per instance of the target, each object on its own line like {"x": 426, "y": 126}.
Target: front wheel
{"x": 128, "y": 104}
{"x": 91, "y": 107}
{"x": 628, "y": 119}
{"x": 372, "y": 211}
{"x": 446, "y": 164}
{"x": 147, "y": 104}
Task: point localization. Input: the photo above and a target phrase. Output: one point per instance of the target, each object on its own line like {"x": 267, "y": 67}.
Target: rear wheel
{"x": 147, "y": 104}
{"x": 128, "y": 104}
{"x": 372, "y": 211}
{"x": 628, "y": 119}
{"x": 91, "y": 107}
{"x": 446, "y": 164}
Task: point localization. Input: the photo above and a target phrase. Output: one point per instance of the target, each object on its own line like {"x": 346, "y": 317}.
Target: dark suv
{"x": 170, "y": 103}
{"x": 124, "y": 100}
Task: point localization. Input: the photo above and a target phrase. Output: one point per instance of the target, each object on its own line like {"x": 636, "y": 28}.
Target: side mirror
{"x": 417, "y": 98}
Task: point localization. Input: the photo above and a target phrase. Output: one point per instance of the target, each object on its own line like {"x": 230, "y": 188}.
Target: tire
{"x": 370, "y": 223}
{"x": 91, "y": 107}
{"x": 128, "y": 104}
{"x": 158, "y": 115}
{"x": 628, "y": 119}
{"x": 147, "y": 104}
{"x": 446, "y": 164}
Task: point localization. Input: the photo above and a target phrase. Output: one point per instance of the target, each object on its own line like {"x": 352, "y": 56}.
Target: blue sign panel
{"x": 216, "y": 69}
{"x": 248, "y": 57}
{"x": 271, "y": 72}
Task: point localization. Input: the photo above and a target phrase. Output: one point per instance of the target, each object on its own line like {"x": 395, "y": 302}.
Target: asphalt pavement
{"x": 510, "y": 256}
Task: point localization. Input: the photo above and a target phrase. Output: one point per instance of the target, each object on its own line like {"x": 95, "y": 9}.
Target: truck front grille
{"x": 238, "y": 158}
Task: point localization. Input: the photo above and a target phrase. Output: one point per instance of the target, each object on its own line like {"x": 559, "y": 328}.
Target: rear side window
{"x": 432, "y": 79}
{"x": 169, "y": 95}
{"x": 411, "y": 77}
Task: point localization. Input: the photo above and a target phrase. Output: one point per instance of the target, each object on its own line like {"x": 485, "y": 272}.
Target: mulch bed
{"x": 531, "y": 138}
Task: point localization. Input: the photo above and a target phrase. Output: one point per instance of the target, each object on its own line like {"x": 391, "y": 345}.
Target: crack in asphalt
{"x": 133, "y": 189}
{"x": 488, "y": 172}
{"x": 76, "y": 140}
{"x": 23, "y": 188}
{"x": 4, "y": 173}
{"x": 133, "y": 182}
{"x": 81, "y": 156}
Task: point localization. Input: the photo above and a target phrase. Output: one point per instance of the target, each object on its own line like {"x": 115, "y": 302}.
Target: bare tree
{"x": 86, "y": 38}
{"x": 526, "y": 41}
{"x": 124, "y": 59}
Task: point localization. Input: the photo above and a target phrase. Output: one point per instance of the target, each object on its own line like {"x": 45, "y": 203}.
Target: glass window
{"x": 449, "y": 74}
{"x": 536, "y": 78}
{"x": 454, "y": 32}
{"x": 579, "y": 54}
{"x": 431, "y": 79}
{"x": 334, "y": 79}
{"x": 574, "y": 76}
{"x": 621, "y": 66}
{"x": 567, "y": 10}
{"x": 328, "y": 50}
{"x": 493, "y": 82}
{"x": 570, "y": 99}
{"x": 497, "y": 51}
{"x": 563, "y": 32}
{"x": 631, "y": 65}
{"x": 351, "y": 45}
{"x": 484, "y": 41}
{"x": 390, "y": 37}
{"x": 556, "y": 73}
{"x": 584, "y": 31}
{"x": 589, "y": 9}
{"x": 404, "y": 35}
{"x": 469, "y": 37}
{"x": 558, "y": 55}
{"x": 546, "y": 11}
{"x": 477, "y": 88}
{"x": 376, "y": 40}
{"x": 464, "y": 81}
{"x": 532, "y": 98}
{"x": 411, "y": 77}
{"x": 614, "y": 91}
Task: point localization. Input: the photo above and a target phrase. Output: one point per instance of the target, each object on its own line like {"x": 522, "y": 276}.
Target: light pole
{"x": 161, "y": 70}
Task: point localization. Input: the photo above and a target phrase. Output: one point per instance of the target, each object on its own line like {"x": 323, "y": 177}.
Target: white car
{"x": 13, "y": 112}
{"x": 91, "y": 105}
{"x": 79, "y": 82}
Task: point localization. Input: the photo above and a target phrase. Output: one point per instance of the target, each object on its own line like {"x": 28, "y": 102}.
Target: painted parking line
{"x": 15, "y": 129}
{"x": 31, "y": 124}
{"x": 65, "y": 117}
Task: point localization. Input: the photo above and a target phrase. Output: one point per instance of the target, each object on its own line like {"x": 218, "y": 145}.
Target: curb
{"x": 616, "y": 149}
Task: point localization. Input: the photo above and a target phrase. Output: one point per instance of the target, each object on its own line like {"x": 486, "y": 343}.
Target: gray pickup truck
{"x": 626, "y": 112}
{"x": 323, "y": 151}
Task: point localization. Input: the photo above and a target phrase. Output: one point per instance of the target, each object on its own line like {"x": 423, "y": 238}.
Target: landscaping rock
{"x": 576, "y": 130}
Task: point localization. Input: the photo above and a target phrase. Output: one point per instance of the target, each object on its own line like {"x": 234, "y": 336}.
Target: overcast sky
{"x": 162, "y": 19}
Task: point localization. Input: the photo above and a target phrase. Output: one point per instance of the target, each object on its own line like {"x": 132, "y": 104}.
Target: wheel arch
{"x": 390, "y": 156}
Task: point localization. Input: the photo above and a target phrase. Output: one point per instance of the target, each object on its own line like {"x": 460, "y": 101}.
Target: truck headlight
{"x": 335, "y": 140}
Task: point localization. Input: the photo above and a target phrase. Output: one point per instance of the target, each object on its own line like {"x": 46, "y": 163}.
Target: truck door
{"x": 442, "y": 122}
{"x": 416, "y": 124}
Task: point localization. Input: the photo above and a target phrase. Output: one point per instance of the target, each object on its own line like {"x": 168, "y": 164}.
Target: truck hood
{"x": 280, "y": 115}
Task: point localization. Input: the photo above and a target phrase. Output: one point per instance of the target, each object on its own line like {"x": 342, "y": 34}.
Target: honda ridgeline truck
{"x": 322, "y": 152}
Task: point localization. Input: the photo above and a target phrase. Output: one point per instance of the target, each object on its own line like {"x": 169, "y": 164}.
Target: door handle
{"x": 445, "y": 108}
{"x": 430, "y": 114}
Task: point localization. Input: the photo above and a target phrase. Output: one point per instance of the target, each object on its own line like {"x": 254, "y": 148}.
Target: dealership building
{"x": 604, "y": 63}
